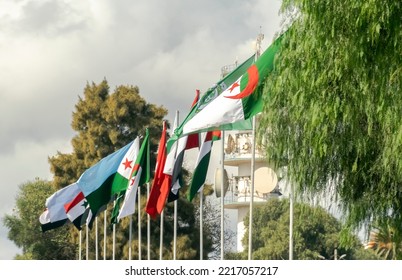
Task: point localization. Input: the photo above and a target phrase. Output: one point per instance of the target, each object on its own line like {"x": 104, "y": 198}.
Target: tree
{"x": 105, "y": 122}
{"x": 315, "y": 237}
{"x": 332, "y": 106}
{"x": 386, "y": 240}
{"x": 25, "y": 230}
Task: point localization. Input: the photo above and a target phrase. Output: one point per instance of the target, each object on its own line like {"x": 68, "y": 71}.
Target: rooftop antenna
{"x": 258, "y": 42}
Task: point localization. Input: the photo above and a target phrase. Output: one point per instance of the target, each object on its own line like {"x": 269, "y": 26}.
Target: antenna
{"x": 260, "y": 37}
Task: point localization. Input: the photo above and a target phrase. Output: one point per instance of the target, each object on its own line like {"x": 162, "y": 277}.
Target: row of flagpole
{"x": 87, "y": 191}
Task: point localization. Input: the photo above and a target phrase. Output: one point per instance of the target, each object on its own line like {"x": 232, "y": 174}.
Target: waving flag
{"x": 140, "y": 176}
{"x": 159, "y": 192}
{"x": 239, "y": 102}
{"x": 202, "y": 163}
{"x": 97, "y": 181}
{"x": 54, "y": 215}
{"x": 77, "y": 210}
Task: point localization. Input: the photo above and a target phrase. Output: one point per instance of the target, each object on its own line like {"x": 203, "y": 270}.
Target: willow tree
{"x": 333, "y": 106}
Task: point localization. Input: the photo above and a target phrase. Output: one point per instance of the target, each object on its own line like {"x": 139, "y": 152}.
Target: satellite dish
{"x": 231, "y": 145}
{"x": 218, "y": 182}
{"x": 265, "y": 180}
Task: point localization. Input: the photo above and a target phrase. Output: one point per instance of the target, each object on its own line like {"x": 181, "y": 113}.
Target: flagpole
{"x": 130, "y": 236}
{"x": 104, "y": 235}
{"x": 260, "y": 37}
{"x": 291, "y": 223}
{"x": 175, "y": 206}
{"x": 250, "y": 231}
{"x": 201, "y": 223}
{"x": 86, "y": 242}
{"x": 139, "y": 222}
{"x": 96, "y": 238}
{"x": 175, "y": 230}
{"x": 79, "y": 245}
{"x": 114, "y": 234}
{"x": 148, "y": 229}
{"x": 222, "y": 196}
{"x": 161, "y": 237}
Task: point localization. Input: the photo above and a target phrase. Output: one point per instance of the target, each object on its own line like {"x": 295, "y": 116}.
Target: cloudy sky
{"x": 50, "y": 49}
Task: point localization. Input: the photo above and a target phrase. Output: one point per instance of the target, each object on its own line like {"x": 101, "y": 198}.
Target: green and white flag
{"x": 209, "y": 97}
{"x": 139, "y": 177}
{"x": 238, "y": 102}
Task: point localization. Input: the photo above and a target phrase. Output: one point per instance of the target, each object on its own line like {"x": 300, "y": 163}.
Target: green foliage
{"x": 332, "y": 106}
{"x": 316, "y": 234}
{"x": 25, "y": 230}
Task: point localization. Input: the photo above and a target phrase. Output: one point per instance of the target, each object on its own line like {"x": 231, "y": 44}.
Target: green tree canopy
{"x": 332, "y": 106}
{"x": 316, "y": 233}
{"x": 25, "y": 230}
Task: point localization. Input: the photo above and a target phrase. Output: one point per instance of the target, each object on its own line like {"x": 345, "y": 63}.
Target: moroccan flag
{"x": 96, "y": 182}
{"x": 202, "y": 163}
{"x": 239, "y": 102}
{"x": 157, "y": 193}
{"x": 140, "y": 176}
{"x": 77, "y": 210}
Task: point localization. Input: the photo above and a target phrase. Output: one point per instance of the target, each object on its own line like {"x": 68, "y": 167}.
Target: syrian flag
{"x": 77, "y": 210}
{"x": 202, "y": 163}
{"x": 237, "y": 103}
{"x": 159, "y": 190}
{"x": 140, "y": 176}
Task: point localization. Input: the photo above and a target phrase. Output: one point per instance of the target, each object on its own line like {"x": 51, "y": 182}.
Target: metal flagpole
{"x": 222, "y": 196}
{"x": 250, "y": 231}
{"x": 291, "y": 223}
{"x": 86, "y": 242}
{"x": 175, "y": 230}
{"x": 139, "y": 222}
{"x": 148, "y": 229}
{"x": 114, "y": 235}
{"x": 130, "y": 236}
{"x": 104, "y": 235}
{"x": 161, "y": 237}
{"x": 79, "y": 246}
{"x": 260, "y": 37}
{"x": 96, "y": 238}
{"x": 201, "y": 221}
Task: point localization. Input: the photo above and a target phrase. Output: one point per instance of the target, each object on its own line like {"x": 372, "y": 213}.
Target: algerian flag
{"x": 210, "y": 95}
{"x": 96, "y": 182}
{"x": 239, "y": 102}
{"x": 202, "y": 163}
{"x": 140, "y": 176}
